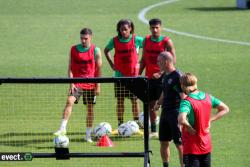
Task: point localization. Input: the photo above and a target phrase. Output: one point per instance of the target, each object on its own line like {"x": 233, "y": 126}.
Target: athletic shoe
{"x": 89, "y": 140}
{"x": 153, "y": 135}
{"x": 60, "y": 133}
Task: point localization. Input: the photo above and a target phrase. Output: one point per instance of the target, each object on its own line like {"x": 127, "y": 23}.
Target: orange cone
{"x": 104, "y": 141}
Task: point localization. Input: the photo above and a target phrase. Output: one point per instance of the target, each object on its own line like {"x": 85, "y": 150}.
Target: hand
{"x": 156, "y": 75}
{"x": 191, "y": 130}
{"x": 156, "y": 106}
{"x": 72, "y": 89}
{"x": 97, "y": 89}
{"x": 113, "y": 67}
{"x": 208, "y": 128}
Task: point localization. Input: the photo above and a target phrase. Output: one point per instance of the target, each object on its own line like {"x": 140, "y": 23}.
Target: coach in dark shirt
{"x": 170, "y": 102}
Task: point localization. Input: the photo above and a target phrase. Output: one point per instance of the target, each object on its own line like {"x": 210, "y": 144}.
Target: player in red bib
{"x": 125, "y": 64}
{"x": 195, "y": 117}
{"x": 153, "y": 45}
{"x": 84, "y": 62}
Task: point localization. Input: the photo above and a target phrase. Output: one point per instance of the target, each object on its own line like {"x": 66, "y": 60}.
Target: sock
{"x": 153, "y": 127}
{"x": 165, "y": 164}
{"x": 63, "y": 124}
{"x": 88, "y": 132}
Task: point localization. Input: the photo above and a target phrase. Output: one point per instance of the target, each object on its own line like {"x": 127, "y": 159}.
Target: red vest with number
{"x": 126, "y": 57}
{"x": 151, "y": 51}
{"x": 83, "y": 66}
{"x": 200, "y": 143}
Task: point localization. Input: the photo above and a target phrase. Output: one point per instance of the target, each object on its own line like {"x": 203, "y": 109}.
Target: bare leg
{"x": 180, "y": 151}
{"x": 90, "y": 116}
{"x": 66, "y": 115}
{"x": 68, "y": 107}
{"x": 120, "y": 109}
{"x": 165, "y": 151}
{"x": 135, "y": 108}
{"x": 153, "y": 115}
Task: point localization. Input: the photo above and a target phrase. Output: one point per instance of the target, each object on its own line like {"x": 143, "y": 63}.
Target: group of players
{"x": 183, "y": 105}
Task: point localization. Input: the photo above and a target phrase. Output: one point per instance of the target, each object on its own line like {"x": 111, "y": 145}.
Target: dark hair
{"x": 86, "y": 31}
{"x": 124, "y": 22}
{"x": 154, "y": 21}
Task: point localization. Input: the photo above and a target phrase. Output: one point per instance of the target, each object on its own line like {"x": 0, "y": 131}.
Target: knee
{"x": 70, "y": 101}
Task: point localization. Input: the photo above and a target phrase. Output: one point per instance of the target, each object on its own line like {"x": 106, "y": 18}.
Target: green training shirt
{"x": 185, "y": 105}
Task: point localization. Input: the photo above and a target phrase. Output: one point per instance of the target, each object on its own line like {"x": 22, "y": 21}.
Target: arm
{"x": 222, "y": 109}
{"x": 109, "y": 58}
{"x": 142, "y": 62}
{"x": 171, "y": 49}
{"x": 70, "y": 75}
{"x": 98, "y": 70}
{"x": 182, "y": 120}
{"x": 158, "y": 103}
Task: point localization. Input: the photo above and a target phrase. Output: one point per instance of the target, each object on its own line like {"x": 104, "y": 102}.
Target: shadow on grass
{"x": 215, "y": 9}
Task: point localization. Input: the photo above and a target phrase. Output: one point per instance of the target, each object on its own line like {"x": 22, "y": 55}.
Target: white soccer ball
{"x": 107, "y": 126}
{"x": 61, "y": 141}
{"x": 141, "y": 119}
{"x": 133, "y": 126}
{"x": 104, "y": 128}
{"x": 125, "y": 130}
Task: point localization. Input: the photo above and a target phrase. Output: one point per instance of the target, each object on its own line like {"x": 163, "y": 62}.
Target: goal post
{"x": 31, "y": 110}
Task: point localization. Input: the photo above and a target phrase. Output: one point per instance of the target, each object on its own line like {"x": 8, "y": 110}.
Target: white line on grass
{"x": 142, "y": 13}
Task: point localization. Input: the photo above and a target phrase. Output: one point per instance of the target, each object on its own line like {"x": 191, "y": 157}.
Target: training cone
{"x": 104, "y": 141}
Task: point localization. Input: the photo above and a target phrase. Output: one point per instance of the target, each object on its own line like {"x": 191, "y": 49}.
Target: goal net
{"x": 32, "y": 109}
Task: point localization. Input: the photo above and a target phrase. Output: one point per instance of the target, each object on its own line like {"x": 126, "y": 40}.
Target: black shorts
{"x": 122, "y": 91}
{"x": 169, "y": 128}
{"x": 155, "y": 89}
{"x": 88, "y": 96}
{"x": 191, "y": 160}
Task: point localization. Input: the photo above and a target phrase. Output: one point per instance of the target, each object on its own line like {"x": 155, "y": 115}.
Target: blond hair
{"x": 188, "y": 82}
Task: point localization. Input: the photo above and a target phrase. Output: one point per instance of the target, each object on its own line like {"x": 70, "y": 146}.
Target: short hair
{"x": 166, "y": 56}
{"x": 188, "y": 82}
{"x": 155, "y": 21}
{"x": 124, "y": 22}
{"x": 86, "y": 31}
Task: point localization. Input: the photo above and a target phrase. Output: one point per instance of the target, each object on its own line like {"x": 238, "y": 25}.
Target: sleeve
{"x": 96, "y": 51}
{"x": 110, "y": 44}
{"x": 215, "y": 101}
{"x": 185, "y": 106}
{"x": 139, "y": 41}
{"x": 177, "y": 86}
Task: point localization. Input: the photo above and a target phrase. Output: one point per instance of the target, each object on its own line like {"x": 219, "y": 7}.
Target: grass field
{"x": 35, "y": 38}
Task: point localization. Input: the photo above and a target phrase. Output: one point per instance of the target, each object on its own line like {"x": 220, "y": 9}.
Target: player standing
{"x": 125, "y": 64}
{"x": 170, "y": 102}
{"x": 85, "y": 62}
{"x": 195, "y": 117}
{"x": 153, "y": 45}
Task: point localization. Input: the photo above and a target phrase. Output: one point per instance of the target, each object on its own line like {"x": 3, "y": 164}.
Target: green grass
{"x": 35, "y": 39}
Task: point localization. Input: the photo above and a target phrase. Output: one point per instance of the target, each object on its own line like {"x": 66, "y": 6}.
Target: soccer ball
{"x": 61, "y": 141}
{"x": 107, "y": 126}
{"x": 104, "y": 128}
{"x": 125, "y": 130}
{"x": 141, "y": 119}
{"x": 133, "y": 126}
